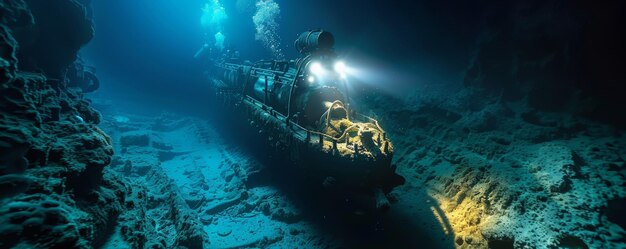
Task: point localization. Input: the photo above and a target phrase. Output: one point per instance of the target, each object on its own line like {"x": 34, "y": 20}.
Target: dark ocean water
{"x": 144, "y": 49}
{"x": 501, "y": 113}
{"x": 429, "y": 124}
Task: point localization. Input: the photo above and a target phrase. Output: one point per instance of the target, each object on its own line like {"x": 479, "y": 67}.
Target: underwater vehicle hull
{"x": 318, "y": 162}
{"x": 344, "y": 152}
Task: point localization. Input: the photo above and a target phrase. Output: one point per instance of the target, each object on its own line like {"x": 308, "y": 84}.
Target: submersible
{"x": 301, "y": 108}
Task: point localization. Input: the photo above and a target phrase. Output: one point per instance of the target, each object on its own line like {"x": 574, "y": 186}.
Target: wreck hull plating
{"x": 301, "y": 108}
{"x": 315, "y": 161}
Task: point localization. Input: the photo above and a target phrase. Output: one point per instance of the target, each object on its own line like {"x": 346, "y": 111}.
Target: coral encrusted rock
{"x": 55, "y": 189}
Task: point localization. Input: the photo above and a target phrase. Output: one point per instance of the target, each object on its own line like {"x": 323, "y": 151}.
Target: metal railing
{"x": 290, "y": 76}
{"x": 310, "y": 133}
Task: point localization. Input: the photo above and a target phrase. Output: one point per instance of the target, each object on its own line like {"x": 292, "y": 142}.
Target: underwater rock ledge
{"x": 56, "y": 189}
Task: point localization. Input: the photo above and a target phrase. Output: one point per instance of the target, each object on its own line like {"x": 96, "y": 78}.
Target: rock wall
{"x": 55, "y": 187}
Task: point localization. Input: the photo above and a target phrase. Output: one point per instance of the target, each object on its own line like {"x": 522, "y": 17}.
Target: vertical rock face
{"x": 55, "y": 192}
{"x": 51, "y": 42}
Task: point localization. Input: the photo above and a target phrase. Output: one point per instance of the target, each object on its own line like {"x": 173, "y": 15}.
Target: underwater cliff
{"x": 201, "y": 124}
{"x": 57, "y": 188}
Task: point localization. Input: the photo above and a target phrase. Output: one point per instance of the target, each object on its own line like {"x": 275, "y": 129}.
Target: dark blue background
{"x": 144, "y": 48}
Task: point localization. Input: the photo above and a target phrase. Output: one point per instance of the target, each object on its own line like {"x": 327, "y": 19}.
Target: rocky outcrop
{"x": 56, "y": 191}
{"x": 61, "y": 157}
{"x": 51, "y": 42}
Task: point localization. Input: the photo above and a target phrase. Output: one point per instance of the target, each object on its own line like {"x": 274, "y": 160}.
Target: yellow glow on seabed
{"x": 440, "y": 217}
{"x": 461, "y": 217}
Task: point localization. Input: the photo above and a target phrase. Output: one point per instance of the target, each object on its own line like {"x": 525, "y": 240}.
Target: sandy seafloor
{"x": 211, "y": 175}
{"x": 498, "y": 178}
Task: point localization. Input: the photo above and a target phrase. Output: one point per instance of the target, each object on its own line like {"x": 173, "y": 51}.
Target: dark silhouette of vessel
{"x": 302, "y": 108}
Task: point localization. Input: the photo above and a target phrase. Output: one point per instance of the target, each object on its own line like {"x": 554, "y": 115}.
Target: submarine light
{"x": 311, "y": 79}
{"x": 316, "y": 68}
{"x": 340, "y": 67}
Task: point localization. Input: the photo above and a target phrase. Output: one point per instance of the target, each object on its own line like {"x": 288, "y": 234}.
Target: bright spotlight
{"x": 311, "y": 79}
{"x": 340, "y": 67}
{"x": 316, "y": 68}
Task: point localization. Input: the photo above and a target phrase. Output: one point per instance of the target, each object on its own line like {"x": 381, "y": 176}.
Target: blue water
{"x": 499, "y": 124}
{"x": 144, "y": 49}
{"x": 451, "y": 78}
